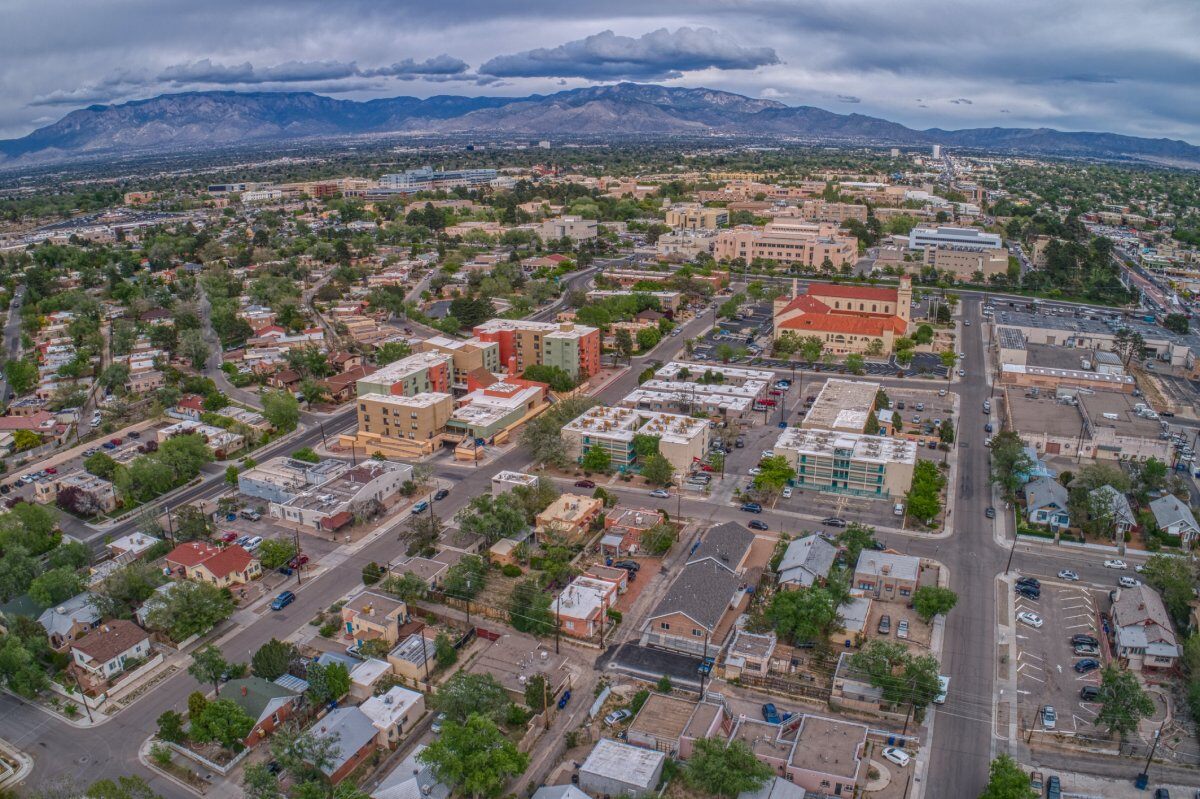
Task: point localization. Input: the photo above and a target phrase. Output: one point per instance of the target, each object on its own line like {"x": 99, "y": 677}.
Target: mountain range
{"x": 205, "y": 120}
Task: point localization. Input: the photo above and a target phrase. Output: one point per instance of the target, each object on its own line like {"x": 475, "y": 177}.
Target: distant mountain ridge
{"x": 204, "y": 120}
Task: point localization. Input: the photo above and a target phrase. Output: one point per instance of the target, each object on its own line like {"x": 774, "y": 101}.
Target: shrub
{"x": 511, "y": 570}
{"x": 329, "y": 629}
{"x": 372, "y": 573}
{"x": 614, "y": 614}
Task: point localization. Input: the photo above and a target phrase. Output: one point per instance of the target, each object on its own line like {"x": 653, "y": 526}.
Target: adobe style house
{"x": 887, "y": 576}
{"x": 220, "y": 566}
{"x": 370, "y": 616}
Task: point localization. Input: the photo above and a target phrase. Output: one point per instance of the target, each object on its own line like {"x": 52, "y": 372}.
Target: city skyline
{"x": 1098, "y": 66}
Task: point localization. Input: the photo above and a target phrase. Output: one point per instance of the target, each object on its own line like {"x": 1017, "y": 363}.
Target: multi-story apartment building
{"x": 471, "y": 356}
{"x": 396, "y": 424}
{"x": 693, "y": 216}
{"x": 806, "y": 244}
{"x": 849, "y": 463}
{"x": 419, "y": 373}
{"x": 684, "y": 245}
{"x": 820, "y": 211}
{"x": 682, "y": 440}
{"x": 568, "y": 227}
{"x": 573, "y": 348}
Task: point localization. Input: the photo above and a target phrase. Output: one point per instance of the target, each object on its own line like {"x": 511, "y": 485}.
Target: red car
{"x": 298, "y": 561}
{"x": 775, "y": 393}
{"x": 767, "y": 402}
{"x": 704, "y": 467}
{"x": 116, "y": 442}
{"x": 51, "y": 470}
{"x": 228, "y": 536}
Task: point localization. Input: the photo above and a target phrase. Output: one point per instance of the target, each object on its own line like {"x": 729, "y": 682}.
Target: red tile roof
{"x": 882, "y": 294}
{"x": 192, "y": 553}
{"x": 230, "y": 560}
{"x": 851, "y": 325}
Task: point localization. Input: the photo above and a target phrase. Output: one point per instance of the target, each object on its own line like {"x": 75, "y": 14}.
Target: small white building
{"x": 618, "y": 769}
{"x": 394, "y": 713}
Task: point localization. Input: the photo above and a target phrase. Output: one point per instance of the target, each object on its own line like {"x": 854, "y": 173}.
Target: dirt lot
{"x": 919, "y": 633}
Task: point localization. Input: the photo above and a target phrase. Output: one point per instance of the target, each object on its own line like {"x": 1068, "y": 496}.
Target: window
{"x": 664, "y": 625}
{"x": 904, "y": 592}
{"x": 698, "y": 633}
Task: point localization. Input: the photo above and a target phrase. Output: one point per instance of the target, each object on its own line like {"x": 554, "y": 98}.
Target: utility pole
{"x": 83, "y": 697}
{"x": 545, "y": 701}
{"x": 324, "y": 443}
{"x": 1145, "y": 775}
{"x": 425, "y": 657}
{"x": 557, "y": 625}
{"x": 299, "y": 565}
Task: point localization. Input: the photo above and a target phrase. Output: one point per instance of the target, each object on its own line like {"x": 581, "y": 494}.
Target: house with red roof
{"x": 847, "y": 318}
{"x": 203, "y": 562}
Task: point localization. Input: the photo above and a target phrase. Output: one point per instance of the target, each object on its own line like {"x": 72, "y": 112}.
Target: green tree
{"x": 194, "y": 348}
{"x": 209, "y": 665}
{"x": 946, "y": 431}
{"x": 855, "y": 364}
{"x": 647, "y": 338}
{"x": 272, "y": 660}
{"x": 529, "y": 609}
{"x": 542, "y": 436}
{"x": 70, "y": 555}
{"x": 923, "y": 500}
{"x": 25, "y": 440}
{"x": 259, "y": 783}
{"x": 623, "y": 341}
{"x": 1176, "y": 323}
{"x": 303, "y": 754}
{"x": 657, "y": 470}
{"x": 55, "y": 586}
{"x": 276, "y": 552}
{"x": 775, "y": 473}
{"x": 20, "y": 671}
{"x": 854, "y": 539}
{"x": 464, "y": 694}
{"x": 22, "y": 376}
{"x": 554, "y": 376}
{"x": 327, "y": 683}
{"x": 1123, "y": 703}
{"x": 408, "y": 586}
{"x": 659, "y": 539}
{"x": 392, "y": 351}
{"x": 281, "y": 409}
{"x": 728, "y": 770}
{"x": 900, "y": 676}
{"x": 493, "y": 517}
{"x": 1175, "y": 579}
{"x": 1007, "y": 780}
{"x": 17, "y": 571}
{"x": 101, "y": 465}
{"x": 312, "y": 391}
{"x": 306, "y": 454}
{"x": 222, "y": 721}
{"x": 170, "y": 727}
{"x": 596, "y": 459}
{"x": 189, "y": 609}
{"x": 1011, "y": 467}
{"x": 129, "y": 787}
{"x": 804, "y": 615}
{"x": 537, "y": 693}
{"x": 466, "y": 578}
{"x": 931, "y": 600}
{"x": 474, "y": 758}
{"x": 923, "y": 335}
{"x": 1151, "y": 477}
{"x": 444, "y": 652}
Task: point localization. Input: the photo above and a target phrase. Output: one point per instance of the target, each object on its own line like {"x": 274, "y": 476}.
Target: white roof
{"x": 901, "y": 567}
{"x": 631, "y": 765}
{"x": 387, "y": 710}
{"x": 370, "y": 670}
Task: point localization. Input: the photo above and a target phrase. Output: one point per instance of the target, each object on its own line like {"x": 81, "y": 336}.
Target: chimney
{"x": 887, "y": 569}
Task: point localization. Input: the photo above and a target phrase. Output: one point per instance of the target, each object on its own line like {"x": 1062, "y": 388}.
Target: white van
{"x": 943, "y": 689}
{"x": 898, "y": 509}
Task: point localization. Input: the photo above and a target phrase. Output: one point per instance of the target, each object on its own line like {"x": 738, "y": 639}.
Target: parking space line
{"x": 1031, "y": 677}
{"x": 1088, "y": 626}
{"x": 1021, "y": 655}
{"x": 1077, "y": 616}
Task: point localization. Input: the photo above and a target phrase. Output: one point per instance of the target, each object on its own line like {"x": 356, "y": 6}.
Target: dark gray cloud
{"x": 658, "y": 55}
{"x": 439, "y": 66}
{"x": 205, "y": 71}
{"x": 848, "y": 98}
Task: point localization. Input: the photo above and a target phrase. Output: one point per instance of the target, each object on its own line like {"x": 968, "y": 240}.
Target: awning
{"x": 612, "y": 541}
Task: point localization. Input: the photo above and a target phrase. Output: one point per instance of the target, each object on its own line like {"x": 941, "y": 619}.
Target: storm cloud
{"x": 658, "y": 55}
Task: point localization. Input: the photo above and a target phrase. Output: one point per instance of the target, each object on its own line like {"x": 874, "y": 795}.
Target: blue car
{"x": 283, "y": 600}
{"x": 1086, "y": 665}
{"x": 562, "y": 701}
{"x": 420, "y": 507}
{"x": 752, "y": 507}
{"x": 770, "y": 714}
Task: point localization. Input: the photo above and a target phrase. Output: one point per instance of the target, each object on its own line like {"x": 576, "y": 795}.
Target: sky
{"x": 1104, "y": 65}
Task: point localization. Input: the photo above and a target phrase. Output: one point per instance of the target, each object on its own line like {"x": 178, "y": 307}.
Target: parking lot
{"x": 1046, "y": 659}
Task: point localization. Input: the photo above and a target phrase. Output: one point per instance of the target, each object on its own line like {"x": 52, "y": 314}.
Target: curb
{"x": 24, "y": 764}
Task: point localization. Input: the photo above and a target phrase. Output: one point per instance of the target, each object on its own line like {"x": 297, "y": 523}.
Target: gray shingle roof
{"x": 78, "y": 609}
{"x": 353, "y": 730}
{"x": 1169, "y": 510}
{"x": 1043, "y": 492}
{"x": 806, "y": 560}
{"x": 726, "y": 544}
{"x": 1118, "y": 502}
{"x": 410, "y": 780}
{"x": 702, "y": 591}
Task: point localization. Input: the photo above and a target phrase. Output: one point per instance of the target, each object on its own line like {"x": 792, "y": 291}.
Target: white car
{"x": 1115, "y": 564}
{"x": 787, "y": 492}
{"x": 755, "y": 471}
{"x": 1129, "y": 582}
{"x": 1067, "y": 574}
{"x": 1141, "y": 567}
{"x": 897, "y": 756}
{"x": 1032, "y": 619}
{"x": 661, "y": 493}
{"x": 768, "y": 453}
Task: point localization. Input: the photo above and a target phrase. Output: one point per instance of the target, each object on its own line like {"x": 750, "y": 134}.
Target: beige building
{"x": 964, "y": 262}
{"x": 371, "y": 616}
{"x": 855, "y": 464}
{"x": 569, "y": 517}
{"x": 682, "y": 440}
{"x": 693, "y": 216}
{"x": 806, "y": 244}
{"x": 821, "y": 211}
{"x": 401, "y": 426}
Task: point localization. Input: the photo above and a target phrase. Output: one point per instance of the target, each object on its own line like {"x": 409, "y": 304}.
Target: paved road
{"x": 213, "y": 367}
{"x": 12, "y": 340}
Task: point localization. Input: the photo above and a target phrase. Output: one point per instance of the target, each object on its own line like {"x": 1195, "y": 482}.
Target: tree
{"x": 209, "y": 665}
{"x": 259, "y": 783}
{"x": 444, "y": 652}
{"x": 189, "y": 609}
{"x": 474, "y": 757}
{"x": 466, "y": 578}
{"x": 30, "y": 526}
{"x": 924, "y": 334}
{"x": 223, "y": 721}
{"x": 596, "y": 459}
{"x": 932, "y": 600}
{"x": 114, "y": 378}
{"x": 776, "y": 472}
{"x": 647, "y": 338}
{"x": 1176, "y": 323}
{"x": 22, "y": 375}
{"x": 1151, "y": 477}
{"x": 70, "y": 554}
{"x": 493, "y": 517}
{"x": 327, "y": 683}
{"x": 1007, "y": 780}
{"x": 392, "y": 351}
{"x": 855, "y": 364}
{"x": 657, "y": 470}
{"x": 466, "y": 694}
{"x": 726, "y": 770}
{"x": 556, "y": 377}
{"x": 901, "y": 677}
{"x": 231, "y": 474}
{"x": 1123, "y": 703}
{"x": 408, "y": 586}
{"x": 854, "y": 539}
{"x": 303, "y": 754}
{"x": 658, "y": 539}
{"x": 276, "y": 552}
{"x": 529, "y": 609}
{"x": 281, "y": 409}
{"x": 946, "y": 431}
{"x": 170, "y": 727}
{"x": 1174, "y": 578}
{"x": 194, "y": 348}
{"x": 623, "y": 341}
{"x": 923, "y": 500}
{"x": 17, "y": 572}
{"x": 20, "y": 671}
{"x": 542, "y": 436}
{"x": 55, "y": 586}
{"x": 129, "y": 787}
{"x": 24, "y": 440}
{"x": 804, "y": 615}
{"x": 1011, "y": 467}
{"x": 272, "y": 659}
{"x": 192, "y": 524}
{"x": 101, "y": 465}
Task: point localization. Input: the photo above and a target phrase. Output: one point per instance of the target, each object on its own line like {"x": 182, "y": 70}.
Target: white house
{"x": 1175, "y": 518}
{"x": 106, "y": 650}
{"x": 1046, "y": 503}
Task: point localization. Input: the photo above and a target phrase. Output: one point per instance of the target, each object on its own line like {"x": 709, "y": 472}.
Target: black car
{"x": 1032, "y": 582}
{"x": 833, "y": 521}
{"x": 1089, "y": 692}
{"x": 755, "y": 524}
{"x": 628, "y": 565}
{"x": 1029, "y": 592}
{"x": 990, "y": 512}
{"x": 1084, "y": 640}
{"x": 441, "y": 493}
{"x": 134, "y": 434}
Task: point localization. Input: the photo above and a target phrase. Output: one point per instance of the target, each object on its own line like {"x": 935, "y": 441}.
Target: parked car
{"x": 585, "y": 484}
{"x": 756, "y": 524}
{"x": 1083, "y": 638}
{"x": 51, "y": 470}
{"x": 990, "y": 512}
{"x": 562, "y": 700}
{"x": 109, "y": 445}
{"x": 441, "y": 494}
{"x": 1129, "y": 582}
{"x": 251, "y": 515}
{"x": 755, "y": 472}
{"x": 885, "y": 624}
{"x": 833, "y": 521}
{"x": 752, "y": 507}
{"x": 1068, "y": 575}
{"x": 1036, "y": 781}
{"x": 768, "y": 453}
{"x": 1032, "y": 582}
{"x": 628, "y": 565}
{"x": 740, "y": 442}
{"x": 420, "y": 507}
{"x": 438, "y": 721}
{"x": 1086, "y": 650}
{"x": 1049, "y": 717}
{"x": 1029, "y": 592}
{"x": 787, "y": 492}
{"x": 660, "y": 493}
{"x": 1086, "y": 665}
{"x": 1032, "y": 619}
{"x": 283, "y": 600}
{"x": 770, "y": 714}
{"x": 616, "y": 717}
{"x": 134, "y": 434}
{"x": 943, "y": 690}
{"x": 902, "y": 629}
{"x": 1162, "y": 793}
{"x": 253, "y": 543}
{"x": 1115, "y": 564}
{"x": 1053, "y": 788}
{"x": 1089, "y": 693}
{"x": 229, "y": 536}
{"x": 896, "y": 755}
{"x": 116, "y": 442}
{"x": 298, "y": 561}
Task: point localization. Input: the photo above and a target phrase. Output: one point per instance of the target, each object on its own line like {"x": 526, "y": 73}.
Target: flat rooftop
{"x": 425, "y": 399}
{"x": 842, "y": 405}
{"x": 632, "y": 765}
{"x": 829, "y": 746}
{"x": 671, "y": 370}
{"x": 1100, "y": 380}
{"x": 514, "y": 656}
{"x": 1043, "y": 414}
{"x": 520, "y": 478}
{"x": 291, "y": 473}
{"x": 859, "y": 446}
{"x": 663, "y": 716}
{"x": 1128, "y": 422}
{"x": 1010, "y": 338}
{"x": 622, "y": 423}
{"x": 562, "y": 329}
{"x": 1056, "y": 357}
{"x": 398, "y": 370}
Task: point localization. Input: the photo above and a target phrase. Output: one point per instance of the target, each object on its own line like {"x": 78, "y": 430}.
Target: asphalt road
{"x": 12, "y": 339}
